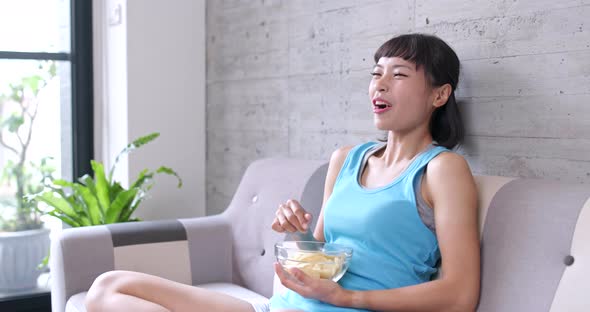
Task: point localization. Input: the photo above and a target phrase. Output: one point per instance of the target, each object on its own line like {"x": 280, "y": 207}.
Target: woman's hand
{"x": 315, "y": 288}
{"x": 291, "y": 217}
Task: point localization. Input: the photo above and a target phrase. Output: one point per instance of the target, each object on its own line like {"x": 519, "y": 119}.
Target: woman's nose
{"x": 381, "y": 84}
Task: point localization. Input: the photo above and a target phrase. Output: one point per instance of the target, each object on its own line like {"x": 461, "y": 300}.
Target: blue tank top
{"x": 392, "y": 247}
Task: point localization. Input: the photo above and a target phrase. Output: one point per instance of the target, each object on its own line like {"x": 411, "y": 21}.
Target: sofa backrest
{"x": 534, "y": 233}
{"x": 535, "y": 255}
{"x": 266, "y": 184}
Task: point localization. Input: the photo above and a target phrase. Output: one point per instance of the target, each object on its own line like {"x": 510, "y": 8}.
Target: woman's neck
{"x": 404, "y": 147}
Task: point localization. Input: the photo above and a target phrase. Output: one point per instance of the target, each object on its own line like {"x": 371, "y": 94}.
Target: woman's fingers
{"x": 284, "y": 221}
{"x": 288, "y": 281}
{"x": 277, "y": 226}
{"x": 291, "y": 217}
{"x": 302, "y": 216}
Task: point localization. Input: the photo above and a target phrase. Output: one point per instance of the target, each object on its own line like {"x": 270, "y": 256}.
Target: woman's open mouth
{"x": 380, "y": 106}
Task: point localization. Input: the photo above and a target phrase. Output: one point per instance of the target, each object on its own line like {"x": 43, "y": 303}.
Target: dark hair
{"x": 441, "y": 66}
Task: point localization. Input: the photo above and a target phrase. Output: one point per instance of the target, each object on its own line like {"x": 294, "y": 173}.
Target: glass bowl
{"x": 316, "y": 259}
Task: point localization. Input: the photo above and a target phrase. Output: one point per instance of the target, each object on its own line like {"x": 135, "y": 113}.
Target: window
{"x": 46, "y": 120}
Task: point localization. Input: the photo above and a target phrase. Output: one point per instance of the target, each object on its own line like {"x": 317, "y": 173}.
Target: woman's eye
{"x": 399, "y": 75}
{"x": 375, "y": 74}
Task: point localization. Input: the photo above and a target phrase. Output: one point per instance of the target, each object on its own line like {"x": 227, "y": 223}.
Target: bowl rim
{"x": 342, "y": 249}
{"x": 304, "y": 262}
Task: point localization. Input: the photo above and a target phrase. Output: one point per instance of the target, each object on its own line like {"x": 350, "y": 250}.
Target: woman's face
{"x": 401, "y": 97}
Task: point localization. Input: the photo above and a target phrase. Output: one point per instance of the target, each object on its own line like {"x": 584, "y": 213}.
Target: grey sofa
{"x": 535, "y": 250}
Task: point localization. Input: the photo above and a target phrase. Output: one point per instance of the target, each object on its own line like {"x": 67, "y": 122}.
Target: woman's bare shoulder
{"x": 449, "y": 163}
{"x": 339, "y": 155}
{"x": 447, "y": 173}
{"x": 336, "y": 162}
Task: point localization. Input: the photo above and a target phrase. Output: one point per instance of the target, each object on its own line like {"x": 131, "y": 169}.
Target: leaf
{"x": 52, "y": 69}
{"x": 80, "y": 206}
{"x": 169, "y": 171}
{"x": 84, "y": 179}
{"x": 14, "y": 122}
{"x": 139, "y": 142}
{"x": 116, "y": 188}
{"x": 34, "y": 83}
{"x": 44, "y": 263}
{"x": 144, "y": 175}
{"x": 65, "y": 219}
{"x": 89, "y": 182}
{"x": 136, "y": 201}
{"x": 89, "y": 202}
{"x": 62, "y": 183}
{"x": 130, "y": 147}
{"x": 17, "y": 93}
{"x": 102, "y": 186}
{"x": 119, "y": 205}
{"x": 70, "y": 199}
{"x": 59, "y": 204}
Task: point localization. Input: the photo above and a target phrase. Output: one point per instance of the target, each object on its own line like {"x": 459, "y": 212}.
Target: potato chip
{"x": 316, "y": 264}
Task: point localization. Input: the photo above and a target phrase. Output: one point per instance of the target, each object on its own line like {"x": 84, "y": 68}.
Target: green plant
{"x": 20, "y": 104}
{"x": 100, "y": 199}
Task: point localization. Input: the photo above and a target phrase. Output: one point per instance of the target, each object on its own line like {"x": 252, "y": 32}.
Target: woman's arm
{"x": 335, "y": 165}
{"x": 452, "y": 191}
{"x": 291, "y": 217}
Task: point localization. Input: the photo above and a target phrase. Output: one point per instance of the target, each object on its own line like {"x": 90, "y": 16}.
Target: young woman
{"x": 404, "y": 206}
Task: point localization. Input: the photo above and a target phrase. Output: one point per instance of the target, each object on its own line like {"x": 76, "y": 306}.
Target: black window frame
{"x": 80, "y": 58}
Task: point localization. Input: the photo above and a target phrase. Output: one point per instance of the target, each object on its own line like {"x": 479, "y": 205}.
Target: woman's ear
{"x": 441, "y": 95}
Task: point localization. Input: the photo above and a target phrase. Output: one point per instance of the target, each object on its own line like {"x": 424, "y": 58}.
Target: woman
{"x": 402, "y": 206}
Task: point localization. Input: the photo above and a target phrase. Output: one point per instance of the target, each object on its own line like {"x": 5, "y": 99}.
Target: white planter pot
{"x": 20, "y": 254}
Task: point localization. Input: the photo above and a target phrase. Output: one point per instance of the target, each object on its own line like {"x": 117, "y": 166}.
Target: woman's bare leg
{"x": 139, "y": 292}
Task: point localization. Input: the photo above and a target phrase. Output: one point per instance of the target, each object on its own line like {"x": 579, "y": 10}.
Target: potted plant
{"x": 23, "y": 239}
{"x": 100, "y": 199}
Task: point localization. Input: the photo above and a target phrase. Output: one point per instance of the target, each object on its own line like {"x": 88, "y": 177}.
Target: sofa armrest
{"x": 190, "y": 251}
{"x": 211, "y": 249}
{"x": 78, "y": 256}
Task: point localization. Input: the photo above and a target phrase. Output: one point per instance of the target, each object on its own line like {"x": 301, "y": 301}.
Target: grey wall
{"x": 290, "y": 78}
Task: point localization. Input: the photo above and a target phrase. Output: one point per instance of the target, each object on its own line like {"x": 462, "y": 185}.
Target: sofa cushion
{"x": 76, "y": 303}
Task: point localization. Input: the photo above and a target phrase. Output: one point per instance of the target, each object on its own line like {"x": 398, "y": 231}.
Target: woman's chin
{"x": 380, "y": 125}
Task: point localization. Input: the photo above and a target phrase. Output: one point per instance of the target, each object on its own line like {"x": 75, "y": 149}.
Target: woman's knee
{"x": 105, "y": 284}
{"x": 111, "y": 280}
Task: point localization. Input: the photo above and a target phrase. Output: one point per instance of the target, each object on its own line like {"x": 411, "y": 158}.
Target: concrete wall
{"x": 290, "y": 78}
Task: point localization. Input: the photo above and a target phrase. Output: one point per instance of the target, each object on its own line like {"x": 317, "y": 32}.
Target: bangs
{"x": 413, "y": 48}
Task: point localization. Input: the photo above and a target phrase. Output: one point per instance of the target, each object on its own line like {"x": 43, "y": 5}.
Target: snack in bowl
{"x": 316, "y": 259}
